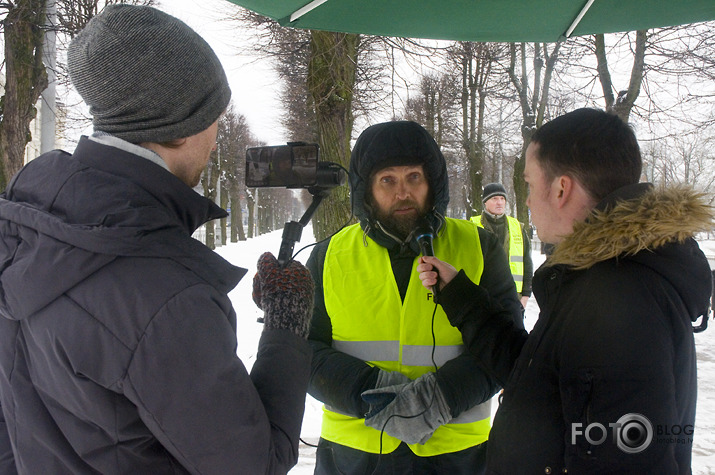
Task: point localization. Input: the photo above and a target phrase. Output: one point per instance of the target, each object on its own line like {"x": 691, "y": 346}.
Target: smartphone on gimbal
{"x": 294, "y": 165}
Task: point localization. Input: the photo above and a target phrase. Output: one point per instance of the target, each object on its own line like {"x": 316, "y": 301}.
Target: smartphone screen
{"x": 288, "y": 166}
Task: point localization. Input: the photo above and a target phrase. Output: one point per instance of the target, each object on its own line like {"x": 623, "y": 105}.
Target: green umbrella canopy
{"x": 482, "y": 20}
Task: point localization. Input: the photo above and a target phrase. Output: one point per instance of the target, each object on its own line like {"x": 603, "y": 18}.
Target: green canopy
{"x": 482, "y": 20}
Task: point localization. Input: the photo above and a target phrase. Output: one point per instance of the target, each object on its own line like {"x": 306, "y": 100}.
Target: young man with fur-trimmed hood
{"x": 610, "y": 366}
{"x": 401, "y": 394}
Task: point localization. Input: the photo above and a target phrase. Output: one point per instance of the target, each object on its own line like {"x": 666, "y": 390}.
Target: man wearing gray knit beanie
{"x": 117, "y": 336}
{"x": 149, "y": 79}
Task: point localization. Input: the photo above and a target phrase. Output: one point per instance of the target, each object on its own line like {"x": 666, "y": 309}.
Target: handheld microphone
{"x": 424, "y": 234}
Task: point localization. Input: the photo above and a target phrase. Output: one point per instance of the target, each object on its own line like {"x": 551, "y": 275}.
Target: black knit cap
{"x": 147, "y": 76}
{"x": 493, "y": 189}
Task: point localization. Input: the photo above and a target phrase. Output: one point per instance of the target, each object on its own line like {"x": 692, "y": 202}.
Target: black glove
{"x": 285, "y": 294}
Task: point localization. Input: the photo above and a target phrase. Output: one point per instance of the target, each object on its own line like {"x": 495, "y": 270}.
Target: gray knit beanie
{"x": 147, "y": 76}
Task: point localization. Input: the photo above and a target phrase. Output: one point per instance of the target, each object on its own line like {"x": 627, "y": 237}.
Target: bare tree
{"x": 435, "y": 107}
{"x": 25, "y": 79}
{"x": 669, "y": 85}
{"x": 621, "y": 104}
{"x": 332, "y": 70}
{"x": 685, "y": 158}
{"x": 533, "y": 98}
{"x": 73, "y": 15}
{"x": 24, "y": 24}
{"x": 223, "y": 181}
{"x": 329, "y": 80}
{"x": 234, "y": 137}
{"x": 476, "y": 65}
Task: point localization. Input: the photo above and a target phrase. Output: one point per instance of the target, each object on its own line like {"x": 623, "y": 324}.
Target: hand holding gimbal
{"x": 294, "y": 165}
{"x": 285, "y": 294}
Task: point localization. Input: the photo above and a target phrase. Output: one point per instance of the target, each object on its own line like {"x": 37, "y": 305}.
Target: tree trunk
{"x": 624, "y": 102}
{"x": 264, "y": 220}
{"x": 476, "y": 61}
{"x": 209, "y": 181}
{"x": 331, "y": 79}
{"x": 237, "y": 232}
{"x": 532, "y": 109}
{"x": 224, "y": 205}
{"x": 26, "y": 78}
{"x": 251, "y": 206}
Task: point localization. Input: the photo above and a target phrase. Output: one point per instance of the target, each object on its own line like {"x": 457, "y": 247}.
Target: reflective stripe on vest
{"x": 370, "y": 321}
{"x": 516, "y": 249}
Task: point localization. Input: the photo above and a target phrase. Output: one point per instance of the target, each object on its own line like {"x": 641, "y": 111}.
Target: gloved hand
{"x": 410, "y": 412}
{"x": 390, "y": 378}
{"x": 285, "y": 294}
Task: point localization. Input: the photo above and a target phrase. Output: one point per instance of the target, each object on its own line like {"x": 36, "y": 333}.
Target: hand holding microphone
{"x": 424, "y": 235}
{"x": 432, "y": 271}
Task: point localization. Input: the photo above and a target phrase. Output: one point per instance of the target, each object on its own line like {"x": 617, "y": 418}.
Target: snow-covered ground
{"x": 245, "y": 254}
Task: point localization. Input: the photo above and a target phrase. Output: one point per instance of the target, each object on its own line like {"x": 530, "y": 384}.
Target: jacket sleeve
{"x": 197, "y": 398}
{"x": 528, "y": 265}
{"x": 489, "y": 315}
{"x": 7, "y": 459}
{"x": 336, "y": 379}
{"x": 466, "y": 381}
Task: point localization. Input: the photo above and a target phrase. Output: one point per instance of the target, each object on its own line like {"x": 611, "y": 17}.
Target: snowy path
{"x": 704, "y": 437}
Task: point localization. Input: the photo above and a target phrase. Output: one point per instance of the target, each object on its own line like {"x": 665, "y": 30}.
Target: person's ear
{"x": 563, "y": 190}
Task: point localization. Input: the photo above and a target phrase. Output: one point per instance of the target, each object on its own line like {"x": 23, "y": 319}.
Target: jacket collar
{"x": 187, "y": 206}
{"x": 632, "y": 219}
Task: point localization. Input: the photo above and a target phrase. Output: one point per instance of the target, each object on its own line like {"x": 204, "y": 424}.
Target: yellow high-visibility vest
{"x": 371, "y": 322}
{"x": 516, "y": 249}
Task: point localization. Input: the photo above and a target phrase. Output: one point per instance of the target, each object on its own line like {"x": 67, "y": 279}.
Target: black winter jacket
{"x": 117, "y": 337}
{"x": 613, "y": 343}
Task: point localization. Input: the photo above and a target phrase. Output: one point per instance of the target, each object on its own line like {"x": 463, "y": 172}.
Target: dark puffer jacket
{"x": 613, "y": 341}
{"x": 117, "y": 338}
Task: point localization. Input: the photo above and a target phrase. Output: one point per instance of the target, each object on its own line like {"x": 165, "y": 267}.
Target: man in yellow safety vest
{"x": 400, "y": 393}
{"x": 511, "y": 234}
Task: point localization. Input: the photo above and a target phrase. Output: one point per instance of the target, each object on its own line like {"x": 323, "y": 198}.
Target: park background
{"x": 479, "y": 100}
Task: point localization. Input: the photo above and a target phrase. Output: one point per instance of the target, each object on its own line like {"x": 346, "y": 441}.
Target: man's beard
{"x": 401, "y": 225}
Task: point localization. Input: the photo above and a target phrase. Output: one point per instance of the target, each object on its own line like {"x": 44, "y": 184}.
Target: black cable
{"x": 434, "y": 392}
{"x": 352, "y": 215}
{"x": 307, "y": 443}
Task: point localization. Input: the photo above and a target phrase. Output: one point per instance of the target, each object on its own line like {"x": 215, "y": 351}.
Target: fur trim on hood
{"x": 624, "y": 227}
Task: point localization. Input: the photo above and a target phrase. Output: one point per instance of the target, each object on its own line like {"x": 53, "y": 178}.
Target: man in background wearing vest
{"x": 511, "y": 234}
{"x": 395, "y": 400}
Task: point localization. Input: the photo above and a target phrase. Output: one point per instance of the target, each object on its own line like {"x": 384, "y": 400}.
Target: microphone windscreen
{"x": 424, "y": 234}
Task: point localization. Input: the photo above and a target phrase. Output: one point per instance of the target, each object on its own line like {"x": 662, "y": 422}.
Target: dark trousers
{"x": 334, "y": 459}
